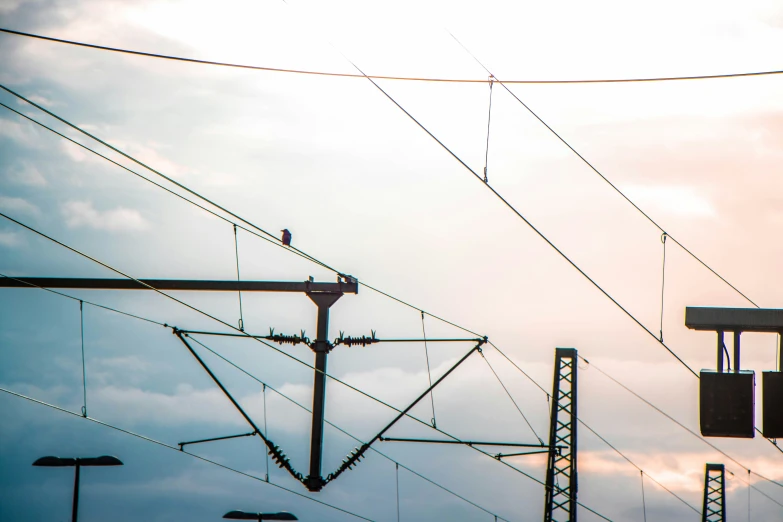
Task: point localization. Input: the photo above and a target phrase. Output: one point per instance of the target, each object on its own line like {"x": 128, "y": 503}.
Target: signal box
{"x": 772, "y": 404}
{"x": 727, "y": 404}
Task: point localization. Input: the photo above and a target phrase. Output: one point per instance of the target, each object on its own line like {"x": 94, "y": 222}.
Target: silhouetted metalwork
{"x": 323, "y": 295}
{"x": 353, "y": 458}
{"x": 463, "y": 442}
{"x": 561, "y": 471}
{"x": 727, "y": 400}
{"x": 183, "y": 444}
{"x": 772, "y": 404}
{"x": 274, "y": 451}
{"x": 342, "y": 287}
{"x": 78, "y": 462}
{"x": 714, "y": 506}
{"x": 243, "y": 515}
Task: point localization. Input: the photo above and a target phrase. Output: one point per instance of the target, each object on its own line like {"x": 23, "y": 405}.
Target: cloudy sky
{"x": 364, "y": 189}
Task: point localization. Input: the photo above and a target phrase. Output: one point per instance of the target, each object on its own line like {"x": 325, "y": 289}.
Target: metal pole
{"x": 75, "y": 492}
{"x": 720, "y": 351}
{"x": 737, "y": 352}
{"x": 321, "y": 347}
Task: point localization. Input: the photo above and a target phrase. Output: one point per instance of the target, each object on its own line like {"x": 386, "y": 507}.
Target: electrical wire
{"x": 512, "y": 398}
{"x": 263, "y": 235}
{"x": 377, "y": 77}
{"x": 527, "y": 222}
{"x": 429, "y": 373}
{"x": 174, "y": 448}
{"x": 594, "y": 169}
{"x": 84, "y": 368}
{"x": 632, "y": 463}
{"x": 675, "y": 421}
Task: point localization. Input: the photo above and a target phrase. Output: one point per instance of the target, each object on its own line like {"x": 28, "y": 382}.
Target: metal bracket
{"x": 183, "y": 444}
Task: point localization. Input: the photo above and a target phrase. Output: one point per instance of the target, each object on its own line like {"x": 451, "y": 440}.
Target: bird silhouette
{"x": 286, "y": 237}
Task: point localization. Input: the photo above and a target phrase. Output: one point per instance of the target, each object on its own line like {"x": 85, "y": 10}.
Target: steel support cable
{"x": 632, "y": 463}
{"x": 338, "y": 428}
{"x": 489, "y": 119}
{"x": 239, "y": 292}
{"x": 663, "y": 279}
{"x": 512, "y": 399}
{"x": 675, "y": 421}
{"x": 429, "y": 373}
{"x": 174, "y": 448}
{"x": 397, "y": 480}
{"x": 349, "y": 75}
{"x": 527, "y": 222}
{"x": 594, "y": 169}
{"x": 267, "y": 237}
{"x": 644, "y": 504}
{"x": 84, "y": 367}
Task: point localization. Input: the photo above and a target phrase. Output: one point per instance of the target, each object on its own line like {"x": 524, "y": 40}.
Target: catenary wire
{"x": 174, "y": 448}
{"x": 691, "y": 254}
{"x": 511, "y": 397}
{"x": 598, "y": 172}
{"x": 490, "y": 81}
{"x": 632, "y": 463}
{"x": 618, "y": 451}
{"x": 265, "y": 235}
{"x": 525, "y": 220}
{"x": 379, "y": 77}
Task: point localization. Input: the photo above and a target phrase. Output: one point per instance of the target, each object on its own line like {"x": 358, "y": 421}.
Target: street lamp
{"x": 243, "y": 515}
{"x": 78, "y": 462}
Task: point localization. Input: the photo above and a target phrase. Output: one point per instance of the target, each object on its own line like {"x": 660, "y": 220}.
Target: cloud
{"x": 10, "y": 239}
{"x": 83, "y": 214}
{"x": 19, "y": 133}
{"x": 19, "y": 205}
{"x": 25, "y": 174}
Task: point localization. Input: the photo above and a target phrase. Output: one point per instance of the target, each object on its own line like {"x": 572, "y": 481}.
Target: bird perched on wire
{"x": 286, "y": 237}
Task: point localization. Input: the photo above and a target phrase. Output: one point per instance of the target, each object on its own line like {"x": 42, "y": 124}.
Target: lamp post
{"x": 78, "y": 462}
{"x": 243, "y": 515}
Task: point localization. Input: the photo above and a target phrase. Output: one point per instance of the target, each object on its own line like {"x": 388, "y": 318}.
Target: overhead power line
{"x": 175, "y": 448}
{"x": 383, "y": 77}
{"x": 678, "y": 423}
{"x": 594, "y": 169}
{"x": 257, "y": 232}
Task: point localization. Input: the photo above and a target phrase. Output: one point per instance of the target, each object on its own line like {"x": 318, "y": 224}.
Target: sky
{"x": 366, "y": 190}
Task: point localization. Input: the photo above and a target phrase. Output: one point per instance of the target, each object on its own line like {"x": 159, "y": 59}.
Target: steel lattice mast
{"x": 714, "y": 507}
{"x": 561, "y": 476}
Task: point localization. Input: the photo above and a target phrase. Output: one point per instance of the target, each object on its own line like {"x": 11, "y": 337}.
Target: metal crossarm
{"x": 561, "y": 476}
